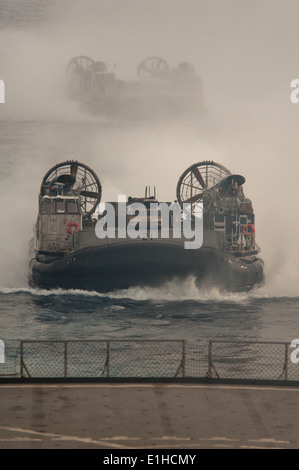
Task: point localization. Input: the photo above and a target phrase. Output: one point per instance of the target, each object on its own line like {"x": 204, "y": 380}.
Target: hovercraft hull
{"x": 145, "y": 263}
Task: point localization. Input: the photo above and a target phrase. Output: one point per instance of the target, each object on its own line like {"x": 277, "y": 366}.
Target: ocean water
{"x": 40, "y": 127}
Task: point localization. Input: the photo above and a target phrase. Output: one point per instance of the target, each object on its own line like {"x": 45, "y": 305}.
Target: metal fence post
{"x": 21, "y": 359}
{"x": 108, "y": 358}
{"x": 210, "y": 359}
{"x": 65, "y": 359}
{"x": 286, "y": 350}
{"x": 184, "y": 357}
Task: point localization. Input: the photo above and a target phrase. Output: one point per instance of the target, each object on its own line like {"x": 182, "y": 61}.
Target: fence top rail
{"x": 130, "y": 340}
{"x": 247, "y": 342}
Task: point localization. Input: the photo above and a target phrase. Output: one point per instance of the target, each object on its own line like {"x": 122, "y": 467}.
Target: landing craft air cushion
{"x": 158, "y": 90}
{"x": 67, "y": 253}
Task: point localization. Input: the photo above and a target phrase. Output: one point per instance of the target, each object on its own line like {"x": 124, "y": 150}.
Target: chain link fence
{"x": 151, "y": 359}
{"x": 10, "y": 360}
{"x": 118, "y": 358}
{"x": 252, "y": 360}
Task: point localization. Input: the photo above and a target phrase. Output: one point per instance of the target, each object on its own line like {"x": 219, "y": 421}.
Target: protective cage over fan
{"x": 197, "y": 182}
{"x": 79, "y": 64}
{"x": 83, "y": 181}
{"x": 153, "y": 67}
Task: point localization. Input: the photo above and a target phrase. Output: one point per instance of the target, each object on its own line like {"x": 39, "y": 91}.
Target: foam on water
{"x": 172, "y": 291}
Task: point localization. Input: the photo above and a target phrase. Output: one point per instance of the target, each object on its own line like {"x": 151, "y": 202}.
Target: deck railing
{"x": 102, "y": 358}
{"x": 265, "y": 360}
{"x": 133, "y": 358}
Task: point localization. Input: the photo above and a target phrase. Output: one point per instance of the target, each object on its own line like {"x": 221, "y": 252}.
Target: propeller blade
{"x": 146, "y": 69}
{"x": 193, "y": 199}
{"x": 92, "y": 194}
{"x": 198, "y": 176}
{"x": 74, "y": 169}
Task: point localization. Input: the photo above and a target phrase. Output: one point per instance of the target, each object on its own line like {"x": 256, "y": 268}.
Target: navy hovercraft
{"x": 68, "y": 254}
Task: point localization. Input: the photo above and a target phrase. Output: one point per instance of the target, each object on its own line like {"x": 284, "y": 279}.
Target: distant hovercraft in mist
{"x": 67, "y": 251}
{"x": 158, "y": 90}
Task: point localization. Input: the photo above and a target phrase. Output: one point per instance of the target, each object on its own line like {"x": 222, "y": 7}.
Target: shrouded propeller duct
{"x": 198, "y": 180}
{"x": 79, "y": 64}
{"x": 153, "y": 67}
{"x": 82, "y": 180}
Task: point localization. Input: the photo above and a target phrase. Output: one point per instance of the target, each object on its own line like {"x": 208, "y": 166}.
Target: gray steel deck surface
{"x": 148, "y": 416}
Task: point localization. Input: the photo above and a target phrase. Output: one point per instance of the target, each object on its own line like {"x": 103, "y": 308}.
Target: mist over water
{"x": 245, "y": 53}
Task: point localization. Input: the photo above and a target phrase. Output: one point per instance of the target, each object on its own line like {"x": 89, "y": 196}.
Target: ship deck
{"x": 155, "y": 415}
